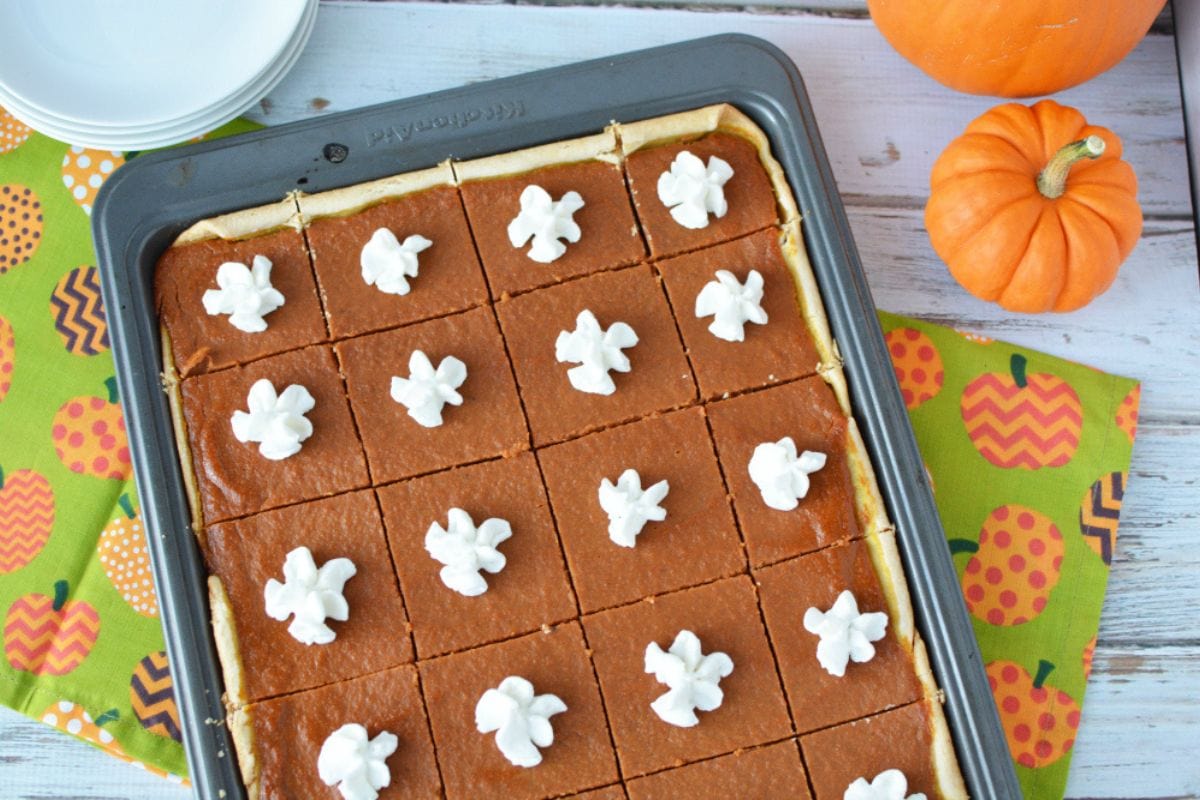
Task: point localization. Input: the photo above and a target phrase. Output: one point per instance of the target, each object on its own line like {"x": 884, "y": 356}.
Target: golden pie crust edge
{"x": 297, "y": 210}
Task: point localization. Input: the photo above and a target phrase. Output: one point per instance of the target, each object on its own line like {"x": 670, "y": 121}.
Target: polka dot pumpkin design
{"x": 1127, "y": 413}
{"x": 20, "y": 225}
{"x": 122, "y": 553}
{"x": 84, "y": 170}
{"x": 1013, "y": 567}
{"x": 1039, "y": 721}
{"x": 918, "y": 365}
{"x": 67, "y": 716}
{"x": 13, "y": 132}
{"x": 8, "y": 352}
{"x": 89, "y": 436}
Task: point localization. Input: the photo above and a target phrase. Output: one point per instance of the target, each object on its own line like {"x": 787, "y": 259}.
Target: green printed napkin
{"x": 82, "y": 643}
{"x": 1028, "y": 455}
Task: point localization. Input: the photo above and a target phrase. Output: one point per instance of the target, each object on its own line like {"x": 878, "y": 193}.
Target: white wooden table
{"x": 883, "y": 123}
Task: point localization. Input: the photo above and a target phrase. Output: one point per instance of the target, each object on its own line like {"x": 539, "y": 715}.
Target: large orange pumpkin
{"x": 1033, "y": 208}
{"x": 1014, "y": 48}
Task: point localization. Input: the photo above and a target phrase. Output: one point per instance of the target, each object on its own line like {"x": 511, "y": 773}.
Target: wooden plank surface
{"x": 883, "y": 123}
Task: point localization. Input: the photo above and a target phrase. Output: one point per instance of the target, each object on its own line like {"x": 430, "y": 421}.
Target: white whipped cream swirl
{"x": 355, "y": 763}
{"x": 845, "y": 633}
{"x": 732, "y": 304}
{"x": 596, "y": 351}
{"x": 275, "y": 421}
{"x": 781, "y": 475}
{"x": 387, "y": 264}
{"x": 629, "y": 507}
{"x": 692, "y": 191}
{"x": 426, "y": 391}
{"x": 691, "y": 677}
{"x": 310, "y": 595}
{"x": 888, "y": 785}
{"x": 520, "y": 719}
{"x": 545, "y": 220}
{"x": 465, "y": 550}
{"x": 245, "y": 294}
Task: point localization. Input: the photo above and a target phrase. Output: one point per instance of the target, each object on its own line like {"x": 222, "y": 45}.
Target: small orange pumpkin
{"x": 1033, "y": 208}
{"x": 1014, "y": 48}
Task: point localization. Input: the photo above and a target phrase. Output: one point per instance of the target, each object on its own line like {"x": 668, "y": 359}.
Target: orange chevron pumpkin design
{"x": 1022, "y": 421}
{"x": 26, "y": 518}
{"x": 917, "y": 363}
{"x": 1089, "y": 653}
{"x": 122, "y": 552}
{"x": 13, "y": 132}
{"x": 66, "y": 716}
{"x": 1013, "y": 567}
{"x": 78, "y": 312}
{"x": 49, "y": 635}
{"x": 152, "y": 695}
{"x": 1100, "y": 513}
{"x": 83, "y": 170}
{"x": 8, "y": 352}
{"x": 1127, "y": 414}
{"x": 89, "y": 436}
{"x": 1039, "y": 720}
{"x": 20, "y": 225}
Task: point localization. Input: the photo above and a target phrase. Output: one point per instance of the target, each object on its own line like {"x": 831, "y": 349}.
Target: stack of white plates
{"x": 136, "y": 74}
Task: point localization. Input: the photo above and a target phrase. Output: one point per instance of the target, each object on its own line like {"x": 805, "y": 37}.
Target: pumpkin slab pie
{"x": 541, "y": 481}
{"x": 761, "y": 772}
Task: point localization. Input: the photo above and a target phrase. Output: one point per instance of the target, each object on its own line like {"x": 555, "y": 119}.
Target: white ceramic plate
{"x": 145, "y": 137}
{"x": 138, "y": 62}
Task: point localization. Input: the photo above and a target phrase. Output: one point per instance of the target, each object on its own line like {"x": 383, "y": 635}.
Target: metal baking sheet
{"x": 146, "y": 203}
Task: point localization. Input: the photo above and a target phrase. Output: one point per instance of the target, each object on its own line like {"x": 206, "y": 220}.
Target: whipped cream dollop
{"x": 845, "y": 633}
{"x": 691, "y": 677}
{"x": 387, "y": 264}
{"x": 310, "y": 595}
{"x": 546, "y": 221}
{"x": 781, "y": 475}
{"x": 465, "y": 550}
{"x": 888, "y": 785}
{"x": 692, "y": 190}
{"x": 426, "y": 391}
{"x": 732, "y": 304}
{"x": 629, "y": 507}
{"x": 596, "y": 351}
{"x": 244, "y": 293}
{"x": 275, "y": 421}
{"x": 520, "y": 718}
{"x": 356, "y": 763}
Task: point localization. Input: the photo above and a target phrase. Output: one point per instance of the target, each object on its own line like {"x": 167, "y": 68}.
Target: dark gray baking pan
{"x": 149, "y": 201}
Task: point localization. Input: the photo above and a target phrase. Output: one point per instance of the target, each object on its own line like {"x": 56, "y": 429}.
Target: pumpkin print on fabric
{"x": 1100, "y": 514}
{"x": 1020, "y": 420}
{"x": 917, "y": 363}
{"x": 73, "y": 719}
{"x": 8, "y": 357}
{"x": 13, "y": 132}
{"x": 89, "y": 436}
{"x": 1032, "y": 208}
{"x": 84, "y": 170}
{"x": 78, "y": 312}
{"x": 122, "y": 553}
{"x": 49, "y": 635}
{"x": 1127, "y": 414}
{"x": 1039, "y": 721}
{"x": 152, "y": 696}
{"x": 1089, "y": 654}
{"x": 20, "y": 225}
{"x": 1013, "y": 567}
{"x": 26, "y": 517}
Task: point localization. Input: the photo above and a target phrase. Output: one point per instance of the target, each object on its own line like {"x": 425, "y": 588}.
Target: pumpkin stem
{"x": 126, "y": 505}
{"x": 1052, "y": 181}
{"x": 60, "y": 594}
{"x": 111, "y": 385}
{"x": 1043, "y": 671}
{"x": 962, "y": 546}
{"x": 107, "y": 716}
{"x": 1, "y": 477}
{"x": 1016, "y": 365}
